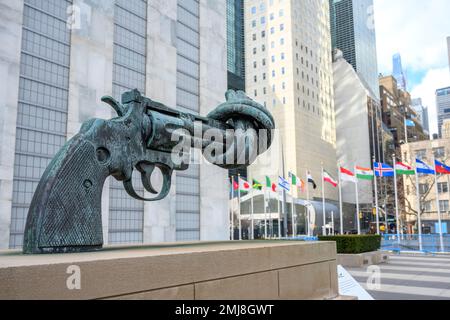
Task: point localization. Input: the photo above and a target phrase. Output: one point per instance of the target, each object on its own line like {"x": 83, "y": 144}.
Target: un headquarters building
{"x": 59, "y": 57}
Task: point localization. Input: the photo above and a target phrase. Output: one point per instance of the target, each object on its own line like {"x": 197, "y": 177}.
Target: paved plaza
{"x": 410, "y": 277}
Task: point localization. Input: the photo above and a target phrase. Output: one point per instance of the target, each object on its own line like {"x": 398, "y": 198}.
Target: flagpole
{"x": 279, "y": 216}
{"x": 265, "y": 214}
{"x": 358, "y": 219}
{"x": 239, "y": 201}
{"x": 232, "y": 211}
{"x": 394, "y": 161}
{"x": 441, "y": 238}
{"x": 323, "y": 203}
{"x": 308, "y": 229}
{"x": 341, "y": 213}
{"x": 376, "y": 201}
{"x": 406, "y": 131}
{"x": 419, "y": 211}
{"x": 252, "y": 235}
{"x": 292, "y": 213}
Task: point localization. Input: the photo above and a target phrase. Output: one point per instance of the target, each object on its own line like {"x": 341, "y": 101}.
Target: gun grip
{"x": 73, "y": 182}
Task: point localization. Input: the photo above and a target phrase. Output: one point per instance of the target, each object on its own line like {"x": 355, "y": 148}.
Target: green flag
{"x": 257, "y": 185}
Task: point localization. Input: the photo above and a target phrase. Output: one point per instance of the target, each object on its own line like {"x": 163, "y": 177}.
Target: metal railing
{"x": 410, "y": 242}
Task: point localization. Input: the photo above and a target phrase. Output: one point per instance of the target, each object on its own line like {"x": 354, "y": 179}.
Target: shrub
{"x": 354, "y": 244}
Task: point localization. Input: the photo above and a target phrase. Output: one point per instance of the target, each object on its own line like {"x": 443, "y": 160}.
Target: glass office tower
{"x": 353, "y": 32}
{"x": 235, "y": 44}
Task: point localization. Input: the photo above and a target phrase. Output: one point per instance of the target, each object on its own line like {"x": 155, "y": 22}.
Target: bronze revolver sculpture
{"x": 65, "y": 213}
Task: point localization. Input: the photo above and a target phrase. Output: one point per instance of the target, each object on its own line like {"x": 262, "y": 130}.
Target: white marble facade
{"x": 91, "y": 68}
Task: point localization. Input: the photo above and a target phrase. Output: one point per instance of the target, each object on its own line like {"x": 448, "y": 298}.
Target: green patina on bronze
{"x": 65, "y": 213}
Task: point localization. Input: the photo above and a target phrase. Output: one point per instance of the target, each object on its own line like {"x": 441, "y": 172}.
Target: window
{"x": 254, "y": 23}
{"x": 272, "y": 44}
{"x": 444, "y": 205}
{"x": 423, "y": 188}
{"x": 421, "y": 154}
{"x": 264, "y": 90}
{"x": 264, "y": 76}
{"x": 443, "y": 187}
{"x": 254, "y": 37}
{"x": 262, "y": 7}
{"x": 263, "y": 62}
{"x": 281, "y": 13}
{"x": 439, "y": 153}
{"x": 283, "y": 85}
{"x": 283, "y": 70}
{"x": 427, "y": 206}
{"x": 263, "y": 34}
{"x": 255, "y": 65}
{"x": 255, "y": 79}
{"x": 263, "y": 20}
{"x": 263, "y": 47}
{"x": 273, "y": 58}
{"x": 282, "y": 56}
{"x": 254, "y": 50}
{"x": 272, "y": 16}
{"x": 281, "y": 27}
{"x": 273, "y": 73}
{"x": 253, "y": 10}
{"x": 272, "y": 30}
{"x": 282, "y": 41}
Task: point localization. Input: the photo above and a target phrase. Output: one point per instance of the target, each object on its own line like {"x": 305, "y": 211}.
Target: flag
{"x": 404, "y": 169}
{"x": 364, "y": 174}
{"x": 311, "y": 180}
{"x": 235, "y": 185}
{"x": 442, "y": 168}
{"x": 243, "y": 185}
{"x": 409, "y": 123}
{"x": 271, "y": 185}
{"x": 284, "y": 184}
{"x": 328, "y": 178}
{"x": 422, "y": 167}
{"x": 294, "y": 179}
{"x": 257, "y": 185}
{"x": 383, "y": 170}
{"x": 347, "y": 175}
{"x": 302, "y": 186}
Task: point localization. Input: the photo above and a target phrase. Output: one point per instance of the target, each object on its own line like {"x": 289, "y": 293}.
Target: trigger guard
{"x": 167, "y": 182}
{"x": 146, "y": 171}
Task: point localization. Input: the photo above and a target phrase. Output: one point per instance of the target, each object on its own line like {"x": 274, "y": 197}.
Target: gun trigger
{"x": 120, "y": 109}
{"x": 146, "y": 175}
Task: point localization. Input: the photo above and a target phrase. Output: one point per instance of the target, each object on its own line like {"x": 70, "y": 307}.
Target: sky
{"x": 417, "y": 29}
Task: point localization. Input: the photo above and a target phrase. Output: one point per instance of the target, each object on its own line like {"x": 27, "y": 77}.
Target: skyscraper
{"x": 398, "y": 72}
{"x": 448, "y": 51}
{"x": 57, "y": 72}
{"x": 235, "y": 44}
{"x": 289, "y": 69}
{"x": 443, "y": 106}
{"x": 422, "y": 113}
{"x": 353, "y": 32}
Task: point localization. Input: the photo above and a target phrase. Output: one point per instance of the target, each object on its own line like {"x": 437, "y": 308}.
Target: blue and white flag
{"x": 284, "y": 184}
{"x": 422, "y": 167}
{"x": 383, "y": 170}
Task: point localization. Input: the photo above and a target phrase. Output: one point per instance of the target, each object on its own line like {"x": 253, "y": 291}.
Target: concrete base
{"x": 192, "y": 271}
{"x": 362, "y": 259}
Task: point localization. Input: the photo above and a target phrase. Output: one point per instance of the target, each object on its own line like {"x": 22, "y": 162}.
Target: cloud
{"x": 415, "y": 28}
{"x": 434, "y": 79}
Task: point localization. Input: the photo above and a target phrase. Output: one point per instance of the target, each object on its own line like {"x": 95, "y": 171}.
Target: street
{"x": 410, "y": 277}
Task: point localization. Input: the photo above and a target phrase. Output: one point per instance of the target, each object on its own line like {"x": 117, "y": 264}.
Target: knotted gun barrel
{"x": 65, "y": 213}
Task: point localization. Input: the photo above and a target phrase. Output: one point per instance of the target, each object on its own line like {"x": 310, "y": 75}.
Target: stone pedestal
{"x": 192, "y": 271}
